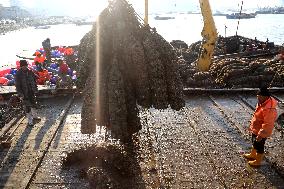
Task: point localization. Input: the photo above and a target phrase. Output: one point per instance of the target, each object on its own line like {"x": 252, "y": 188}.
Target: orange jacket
{"x": 69, "y": 51}
{"x": 39, "y": 59}
{"x": 264, "y": 117}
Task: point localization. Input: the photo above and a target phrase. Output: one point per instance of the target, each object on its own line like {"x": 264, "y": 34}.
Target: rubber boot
{"x": 251, "y": 155}
{"x": 257, "y": 161}
{"x": 30, "y": 119}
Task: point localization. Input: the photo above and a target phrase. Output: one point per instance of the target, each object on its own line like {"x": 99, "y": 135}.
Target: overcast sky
{"x": 93, "y": 7}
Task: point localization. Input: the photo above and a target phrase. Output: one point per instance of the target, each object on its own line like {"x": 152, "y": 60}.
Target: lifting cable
{"x": 179, "y": 50}
{"x": 239, "y": 18}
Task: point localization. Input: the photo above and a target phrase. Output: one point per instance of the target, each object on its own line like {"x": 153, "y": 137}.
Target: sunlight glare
{"x": 98, "y": 59}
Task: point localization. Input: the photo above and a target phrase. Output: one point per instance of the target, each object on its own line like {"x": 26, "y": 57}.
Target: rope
{"x": 239, "y": 17}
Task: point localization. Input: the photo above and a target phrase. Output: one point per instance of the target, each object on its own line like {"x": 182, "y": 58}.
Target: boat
{"x": 81, "y": 23}
{"x": 241, "y": 15}
{"x": 163, "y": 17}
{"x": 42, "y": 27}
{"x": 218, "y": 13}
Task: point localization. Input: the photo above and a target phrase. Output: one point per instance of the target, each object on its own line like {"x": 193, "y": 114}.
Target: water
{"x": 30, "y": 39}
{"x": 186, "y": 27}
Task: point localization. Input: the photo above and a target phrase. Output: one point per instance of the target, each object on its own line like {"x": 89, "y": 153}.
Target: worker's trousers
{"x": 31, "y": 115}
{"x": 29, "y": 105}
{"x": 258, "y": 145}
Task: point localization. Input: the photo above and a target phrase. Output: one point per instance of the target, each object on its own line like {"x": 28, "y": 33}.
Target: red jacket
{"x": 63, "y": 68}
{"x": 43, "y": 77}
{"x": 264, "y": 117}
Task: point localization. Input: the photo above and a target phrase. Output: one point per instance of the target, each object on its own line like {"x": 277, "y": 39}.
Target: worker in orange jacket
{"x": 39, "y": 58}
{"x": 262, "y": 125}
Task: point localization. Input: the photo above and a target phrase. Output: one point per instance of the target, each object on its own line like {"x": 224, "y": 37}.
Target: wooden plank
{"x": 227, "y": 90}
{"x": 6, "y": 90}
{"x": 13, "y": 122}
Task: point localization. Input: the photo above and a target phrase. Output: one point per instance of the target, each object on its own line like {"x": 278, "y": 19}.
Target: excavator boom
{"x": 209, "y": 34}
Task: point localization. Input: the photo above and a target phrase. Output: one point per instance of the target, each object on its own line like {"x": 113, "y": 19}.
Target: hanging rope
{"x": 239, "y": 18}
{"x": 178, "y": 31}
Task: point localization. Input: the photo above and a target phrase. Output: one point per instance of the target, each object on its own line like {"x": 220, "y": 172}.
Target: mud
{"x": 106, "y": 165}
{"x": 200, "y": 146}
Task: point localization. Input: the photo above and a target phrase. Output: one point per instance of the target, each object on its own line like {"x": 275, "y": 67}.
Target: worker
{"x": 47, "y": 49}
{"x": 70, "y": 58}
{"x": 69, "y": 51}
{"x": 63, "y": 74}
{"x": 261, "y": 126}
{"x": 63, "y": 68}
{"x": 43, "y": 76}
{"x": 26, "y": 88}
{"x": 39, "y": 59}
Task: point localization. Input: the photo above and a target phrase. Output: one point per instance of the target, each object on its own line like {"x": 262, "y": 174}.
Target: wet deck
{"x": 199, "y": 146}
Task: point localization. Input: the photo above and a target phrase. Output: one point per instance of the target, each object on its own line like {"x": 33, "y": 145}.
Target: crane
{"x": 209, "y": 34}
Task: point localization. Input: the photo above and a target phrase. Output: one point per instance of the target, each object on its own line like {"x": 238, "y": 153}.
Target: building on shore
{"x": 271, "y": 10}
{"x": 16, "y": 3}
{"x": 13, "y": 12}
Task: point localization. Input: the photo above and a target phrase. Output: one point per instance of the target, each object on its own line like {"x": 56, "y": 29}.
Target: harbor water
{"x": 186, "y": 27}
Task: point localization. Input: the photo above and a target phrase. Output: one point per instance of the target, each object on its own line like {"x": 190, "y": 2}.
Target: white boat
{"x": 240, "y": 16}
{"x": 42, "y": 27}
{"x": 163, "y": 17}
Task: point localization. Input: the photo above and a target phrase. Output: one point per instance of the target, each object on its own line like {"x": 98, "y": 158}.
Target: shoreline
{"x": 6, "y": 28}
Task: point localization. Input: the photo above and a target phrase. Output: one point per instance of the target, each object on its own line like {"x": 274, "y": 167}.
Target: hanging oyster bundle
{"x": 124, "y": 63}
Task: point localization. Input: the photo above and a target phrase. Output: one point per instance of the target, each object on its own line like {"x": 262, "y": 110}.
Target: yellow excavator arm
{"x": 209, "y": 34}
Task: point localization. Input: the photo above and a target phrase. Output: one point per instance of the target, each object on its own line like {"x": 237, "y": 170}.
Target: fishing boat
{"x": 163, "y": 17}
{"x": 42, "y": 27}
{"x": 241, "y": 15}
{"x": 218, "y": 13}
{"x": 80, "y": 23}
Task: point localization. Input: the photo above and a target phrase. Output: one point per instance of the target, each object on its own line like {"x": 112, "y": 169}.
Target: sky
{"x": 93, "y": 7}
